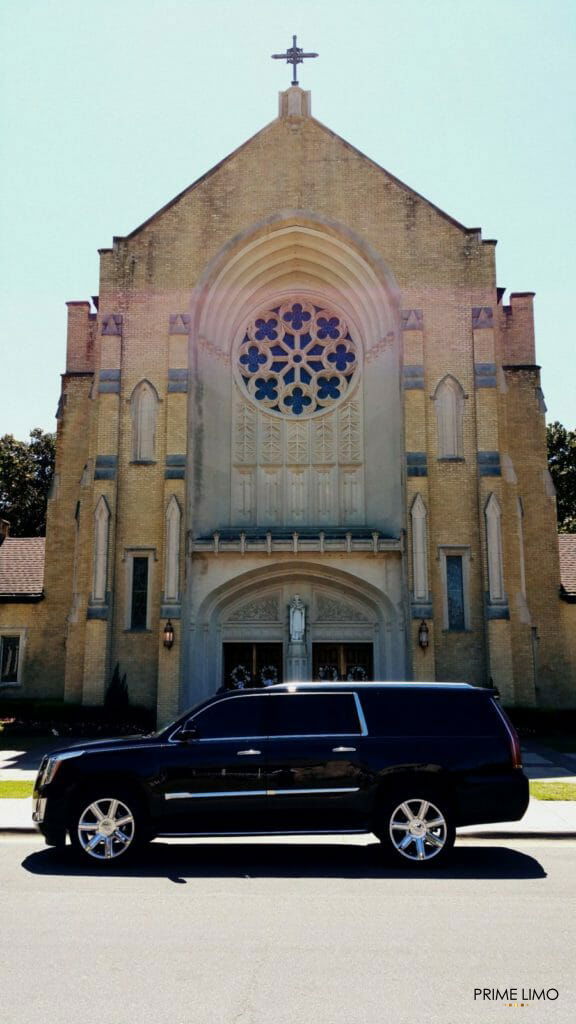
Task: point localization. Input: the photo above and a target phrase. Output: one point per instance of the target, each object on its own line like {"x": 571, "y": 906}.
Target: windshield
{"x": 167, "y": 729}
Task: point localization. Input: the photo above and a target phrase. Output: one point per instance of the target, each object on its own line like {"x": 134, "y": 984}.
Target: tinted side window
{"x": 235, "y": 716}
{"x": 312, "y": 714}
{"x": 429, "y": 713}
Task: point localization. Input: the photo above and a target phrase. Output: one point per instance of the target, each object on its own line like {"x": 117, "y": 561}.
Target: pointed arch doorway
{"x": 243, "y": 627}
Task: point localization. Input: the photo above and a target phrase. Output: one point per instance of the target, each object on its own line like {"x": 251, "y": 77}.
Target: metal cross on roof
{"x": 294, "y": 55}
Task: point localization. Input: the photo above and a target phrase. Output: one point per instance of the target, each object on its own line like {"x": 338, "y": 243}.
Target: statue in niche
{"x": 297, "y": 619}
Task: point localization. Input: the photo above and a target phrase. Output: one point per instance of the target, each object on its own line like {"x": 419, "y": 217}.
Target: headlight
{"x": 50, "y": 765}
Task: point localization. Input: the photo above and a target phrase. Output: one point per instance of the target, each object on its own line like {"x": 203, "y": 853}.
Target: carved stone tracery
{"x": 306, "y": 466}
{"x": 261, "y": 609}
{"x": 330, "y": 609}
{"x": 296, "y": 359}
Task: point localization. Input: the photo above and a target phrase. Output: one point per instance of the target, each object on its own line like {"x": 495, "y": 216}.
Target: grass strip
{"x": 553, "y": 790}
{"x": 15, "y": 790}
{"x": 10, "y": 790}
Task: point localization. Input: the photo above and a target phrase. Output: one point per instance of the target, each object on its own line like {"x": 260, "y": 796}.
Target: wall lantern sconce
{"x": 168, "y": 635}
{"x": 423, "y": 635}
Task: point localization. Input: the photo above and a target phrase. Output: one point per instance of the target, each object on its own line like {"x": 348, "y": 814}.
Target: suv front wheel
{"x": 416, "y": 829}
{"x": 105, "y": 826}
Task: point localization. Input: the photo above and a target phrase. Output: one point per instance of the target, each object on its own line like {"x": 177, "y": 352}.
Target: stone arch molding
{"x": 341, "y": 606}
{"x": 288, "y": 469}
{"x": 295, "y": 252}
{"x": 247, "y": 590}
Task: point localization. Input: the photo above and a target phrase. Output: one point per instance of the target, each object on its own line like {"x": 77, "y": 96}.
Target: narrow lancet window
{"x": 419, "y": 549}
{"x": 522, "y": 562}
{"x": 449, "y": 402}
{"x": 172, "y": 551}
{"x": 144, "y": 403}
{"x": 101, "y": 540}
{"x": 493, "y": 517}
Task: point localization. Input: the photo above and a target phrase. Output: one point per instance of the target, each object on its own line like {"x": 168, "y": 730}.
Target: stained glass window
{"x": 139, "y": 617}
{"x": 455, "y": 592}
{"x": 297, "y": 358}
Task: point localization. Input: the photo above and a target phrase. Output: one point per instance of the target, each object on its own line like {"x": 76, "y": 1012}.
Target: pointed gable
{"x": 276, "y": 145}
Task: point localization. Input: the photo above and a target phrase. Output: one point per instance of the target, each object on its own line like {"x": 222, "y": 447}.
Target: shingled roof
{"x": 22, "y": 568}
{"x": 567, "y": 548}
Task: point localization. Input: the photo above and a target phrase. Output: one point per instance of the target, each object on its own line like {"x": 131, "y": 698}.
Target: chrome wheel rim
{"x": 106, "y": 828}
{"x": 418, "y": 830}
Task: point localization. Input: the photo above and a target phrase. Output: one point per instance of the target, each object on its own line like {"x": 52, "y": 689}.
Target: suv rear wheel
{"x": 106, "y": 826}
{"x": 416, "y": 828}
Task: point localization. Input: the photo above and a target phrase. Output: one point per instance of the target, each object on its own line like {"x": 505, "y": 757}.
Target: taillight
{"x": 513, "y": 736}
{"x": 516, "y": 751}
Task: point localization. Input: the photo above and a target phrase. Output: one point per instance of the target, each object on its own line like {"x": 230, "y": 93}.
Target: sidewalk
{"x": 544, "y": 819}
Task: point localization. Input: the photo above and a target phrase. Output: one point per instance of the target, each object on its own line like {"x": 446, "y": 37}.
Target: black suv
{"x": 407, "y": 761}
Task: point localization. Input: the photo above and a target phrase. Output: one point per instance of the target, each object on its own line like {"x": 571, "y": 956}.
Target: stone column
{"x": 297, "y": 658}
{"x": 296, "y": 661}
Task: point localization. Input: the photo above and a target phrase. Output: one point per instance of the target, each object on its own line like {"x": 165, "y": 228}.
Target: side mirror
{"x": 188, "y": 732}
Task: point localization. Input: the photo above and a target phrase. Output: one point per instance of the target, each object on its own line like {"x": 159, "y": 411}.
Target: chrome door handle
{"x": 343, "y": 750}
{"x": 247, "y": 753}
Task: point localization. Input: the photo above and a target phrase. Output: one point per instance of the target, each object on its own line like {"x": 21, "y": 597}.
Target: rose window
{"x": 297, "y": 359}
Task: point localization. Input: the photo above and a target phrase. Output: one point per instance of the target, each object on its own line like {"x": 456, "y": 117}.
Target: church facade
{"x": 300, "y": 435}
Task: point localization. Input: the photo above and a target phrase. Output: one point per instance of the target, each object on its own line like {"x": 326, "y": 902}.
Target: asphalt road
{"x": 300, "y": 933}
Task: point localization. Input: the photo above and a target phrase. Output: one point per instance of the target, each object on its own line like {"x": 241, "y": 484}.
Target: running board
{"x": 292, "y": 832}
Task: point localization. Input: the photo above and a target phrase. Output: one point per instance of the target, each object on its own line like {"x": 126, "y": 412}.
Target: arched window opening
{"x": 101, "y": 540}
{"x": 172, "y": 551}
{"x": 522, "y": 564}
{"x": 144, "y": 403}
{"x": 449, "y": 402}
{"x": 419, "y": 549}
{"x": 493, "y": 516}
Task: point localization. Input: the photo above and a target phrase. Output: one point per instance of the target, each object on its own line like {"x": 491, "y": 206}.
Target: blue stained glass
{"x": 297, "y": 316}
{"x": 341, "y": 357}
{"x": 297, "y": 401}
{"x": 266, "y": 329}
{"x": 294, "y": 343}
{"x": 253, "y": 359}
{"x": 266, "y": 389}
{"x": 455, "y": 592}
{"x": 329, "y": 387}
{"x": 328, "y": 327}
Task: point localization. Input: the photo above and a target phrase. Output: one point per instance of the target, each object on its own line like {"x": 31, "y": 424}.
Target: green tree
{"x": 26, "y": 471}
{"x": 562, "y": 463}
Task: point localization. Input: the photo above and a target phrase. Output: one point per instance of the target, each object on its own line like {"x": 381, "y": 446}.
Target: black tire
{"x": 416, "y": 827}
{"x": 107, "y": 826}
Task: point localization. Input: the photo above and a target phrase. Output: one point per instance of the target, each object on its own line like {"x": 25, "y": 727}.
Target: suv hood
{"x": 114, "y": 743}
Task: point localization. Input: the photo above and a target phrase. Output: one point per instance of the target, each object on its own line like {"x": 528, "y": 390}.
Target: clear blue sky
{"x": 111, "y": 108}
